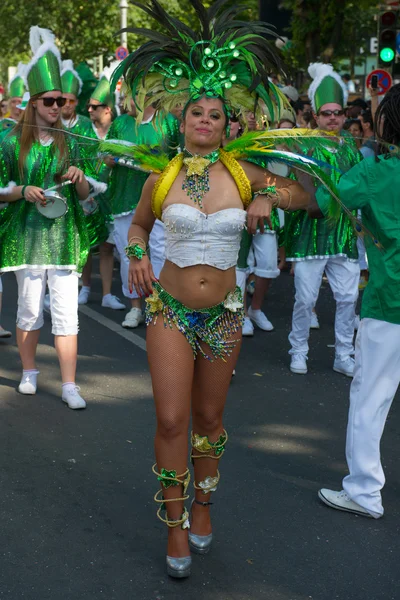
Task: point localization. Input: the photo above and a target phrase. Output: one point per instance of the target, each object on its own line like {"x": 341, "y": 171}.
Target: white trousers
{"x": 375, "y": 382}
{"x": 156, "y": 243}
{"x": 343, "y": 276}
{"x": 63, "y": 288}
{"x": 263, "y": 262}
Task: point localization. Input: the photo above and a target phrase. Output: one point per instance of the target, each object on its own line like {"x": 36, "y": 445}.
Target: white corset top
{"x": 194, "y": 238}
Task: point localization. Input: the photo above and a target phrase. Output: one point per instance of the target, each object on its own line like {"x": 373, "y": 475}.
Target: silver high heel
{"x": 200, "y": 544}
{"x": 179, "y": 567}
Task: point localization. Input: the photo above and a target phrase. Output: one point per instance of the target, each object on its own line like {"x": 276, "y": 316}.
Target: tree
{"x": 329, "y": 31}
{"x": 84, "y": 28}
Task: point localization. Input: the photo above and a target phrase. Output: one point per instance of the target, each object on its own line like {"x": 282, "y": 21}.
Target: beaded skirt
{"x": 213, "y": 326}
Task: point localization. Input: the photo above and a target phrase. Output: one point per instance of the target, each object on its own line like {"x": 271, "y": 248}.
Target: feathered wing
{"x": 147, "y": 158}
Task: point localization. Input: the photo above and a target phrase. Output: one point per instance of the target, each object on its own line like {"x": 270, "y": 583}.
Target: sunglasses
{"x": 234, "y": 119}
{"x": 68, "y": 101}
{"x": 48, "y": 102}
{"x": 329, "y": 113}
{"x": 96, "y": 106}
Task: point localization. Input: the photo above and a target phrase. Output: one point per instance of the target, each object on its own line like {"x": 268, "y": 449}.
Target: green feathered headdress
{"x": 225, "y": 58}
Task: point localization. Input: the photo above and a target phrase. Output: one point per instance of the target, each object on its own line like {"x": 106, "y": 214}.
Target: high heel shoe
{"x": 179, "y": 567}
{"x": 200, "y": 544}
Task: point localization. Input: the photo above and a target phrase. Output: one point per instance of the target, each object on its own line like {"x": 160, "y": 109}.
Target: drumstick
{"x": 58, "y": 186}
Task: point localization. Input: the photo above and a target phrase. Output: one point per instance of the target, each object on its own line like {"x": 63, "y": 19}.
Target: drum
{"x": 55, "y": 207}
{"x": 89, "y": 206}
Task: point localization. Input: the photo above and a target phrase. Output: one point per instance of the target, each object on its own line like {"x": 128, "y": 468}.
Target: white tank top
{"x": 194, "y": 238}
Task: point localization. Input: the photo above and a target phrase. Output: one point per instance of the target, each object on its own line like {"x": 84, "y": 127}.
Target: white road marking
{"x": 118, "y": 329}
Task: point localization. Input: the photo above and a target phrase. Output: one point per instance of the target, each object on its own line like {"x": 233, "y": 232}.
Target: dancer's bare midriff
{"x": 199, "y": 286}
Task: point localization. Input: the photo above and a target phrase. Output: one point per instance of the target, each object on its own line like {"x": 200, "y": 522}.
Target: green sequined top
{"x": 27, "y": 238}
{"x": 125, "y": 185}
{"x": 318, "y": 238}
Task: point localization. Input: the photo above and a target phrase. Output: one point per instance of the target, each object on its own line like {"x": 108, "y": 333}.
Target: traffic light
{"x": 387, "y": 32}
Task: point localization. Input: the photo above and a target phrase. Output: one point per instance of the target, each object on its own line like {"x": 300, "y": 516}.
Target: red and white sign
{"x": 121, "y": 53}
{"x": 385, "y": 80}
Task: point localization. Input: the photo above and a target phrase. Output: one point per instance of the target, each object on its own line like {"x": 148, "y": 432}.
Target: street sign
{"x": 373, "y": 45}
{"x": 384, "y": 80}
{"x": 121, "y": 53}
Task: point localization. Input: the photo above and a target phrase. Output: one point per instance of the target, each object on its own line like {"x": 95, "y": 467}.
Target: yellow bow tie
{"x": 195, "y": 165}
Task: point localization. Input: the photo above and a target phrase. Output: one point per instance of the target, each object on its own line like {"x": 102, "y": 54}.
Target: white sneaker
{"x": 356, "y": 322}
{"x": 110, "y": 301}
{"x": 46, "y": 303}
{"x": 73, "y": 398}
{"x": 28, "y": 383}
{"x": 298, "y": 364}
{"x": 314, "y": 321}
{"x": 4, "y": 333}
{"x": 133, "y": 318}
{"x": 84, "y": 294}
{"x": 344, "y": 365}
{"x": 248, "y": 328}
{"x": 341, "y": 501}
{"x": 260, "y": 319}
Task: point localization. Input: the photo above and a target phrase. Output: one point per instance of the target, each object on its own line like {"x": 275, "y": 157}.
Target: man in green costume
{"x": 16, "y": 90}
{"x": 101, "y": 111}
{"x": 125, "y": 189}
{"x": 373, "y": 187}
{"x": 318, "y": 245}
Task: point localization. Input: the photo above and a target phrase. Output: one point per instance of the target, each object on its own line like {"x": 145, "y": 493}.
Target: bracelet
{"x": 23, "y": 191}
{"x": 135, "y": 251}
{"x": 286, "y": 189}
{"x": 135, "y": 237}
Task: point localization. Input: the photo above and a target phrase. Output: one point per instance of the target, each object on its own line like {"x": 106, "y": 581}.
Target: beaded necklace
{"x": 197, "y": 178}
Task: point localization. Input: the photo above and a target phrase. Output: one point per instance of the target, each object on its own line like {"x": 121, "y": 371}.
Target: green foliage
{"x": 84, "y": 28}
{"x": 329, "y": 31}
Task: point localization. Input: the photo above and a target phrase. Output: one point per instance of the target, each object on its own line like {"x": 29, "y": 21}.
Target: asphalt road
{"x": 76, "y": 503}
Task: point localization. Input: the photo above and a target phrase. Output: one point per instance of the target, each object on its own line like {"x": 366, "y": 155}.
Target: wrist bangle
{"x": 23, "y": 191}
{"x": 286, "y": 189}
{"x": 135, "y": 251}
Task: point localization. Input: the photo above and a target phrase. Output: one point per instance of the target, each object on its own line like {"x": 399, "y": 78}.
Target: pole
{"x": 123, "y": 5}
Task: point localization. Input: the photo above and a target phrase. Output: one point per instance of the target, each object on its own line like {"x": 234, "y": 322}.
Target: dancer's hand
{"x": 109, "y": 161}
{"x": 141, "y": 276}
{"x": 259, "y": 209}
{"x": 74, "y": 174}
{"x": 34, "y": 194}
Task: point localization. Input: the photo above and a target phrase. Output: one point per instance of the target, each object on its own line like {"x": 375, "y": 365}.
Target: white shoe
{"x": 4, "y": 333}
{"x": 46, "y": 303}
{"x": 344, "y": 366}
{"x": 84, "y": 294}
{"x": 298, "y": 364}
{"x": 73, "y": 398}
{"x": 110, "y": 301}
{"x": 133, "y": 318}
{"x": 341, "y": 501}
{"x": 314, "y": 321}
{"x": 356, "y": 322}
{"x": 260, "y": 319}
{"x": 248, "y": 327}
{"x": 28, "y": 383}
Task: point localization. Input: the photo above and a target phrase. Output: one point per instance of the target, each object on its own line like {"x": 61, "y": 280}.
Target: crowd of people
{"x": 245, "y": 177}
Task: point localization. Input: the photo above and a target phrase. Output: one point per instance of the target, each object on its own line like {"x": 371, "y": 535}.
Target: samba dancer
{"x": 34, "y": 156}
{"x": 195, "y": 311}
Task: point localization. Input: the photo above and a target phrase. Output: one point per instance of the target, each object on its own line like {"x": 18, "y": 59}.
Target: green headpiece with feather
{"x": 226, "y": 58}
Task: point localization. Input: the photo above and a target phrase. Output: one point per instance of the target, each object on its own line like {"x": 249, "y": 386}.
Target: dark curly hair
{"x": 387, "y": 120}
